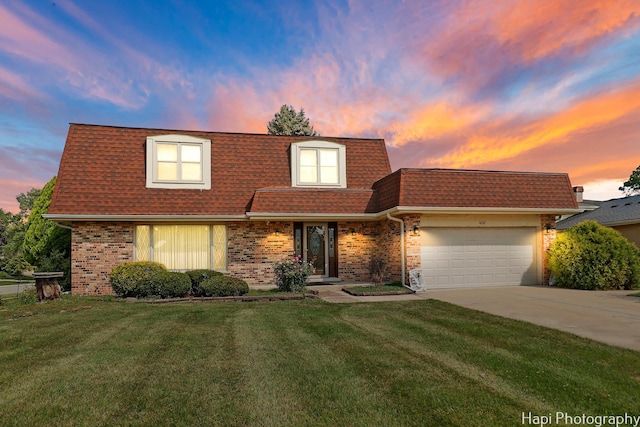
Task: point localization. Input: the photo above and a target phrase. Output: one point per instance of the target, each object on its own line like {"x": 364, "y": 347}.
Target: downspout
{"x": 401, "y": 244}
{"x": 68, "y": 227}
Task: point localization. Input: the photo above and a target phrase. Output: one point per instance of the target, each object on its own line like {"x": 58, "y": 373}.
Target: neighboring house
{"x": 237, "y": 203}
{"x": 620, "y": 214}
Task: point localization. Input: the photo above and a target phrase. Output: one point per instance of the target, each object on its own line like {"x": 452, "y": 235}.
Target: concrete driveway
{"x": 610, "y": 317}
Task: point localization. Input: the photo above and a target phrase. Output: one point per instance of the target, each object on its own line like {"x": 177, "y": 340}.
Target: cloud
{"x": 592, "y": 113}
{"x": 480, "y": 44}
{"x": 13, "y": 86}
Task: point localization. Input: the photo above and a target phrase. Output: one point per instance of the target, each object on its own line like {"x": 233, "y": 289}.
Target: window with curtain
{"x": 178, "y": 161}
{"x": 183, "y": 247}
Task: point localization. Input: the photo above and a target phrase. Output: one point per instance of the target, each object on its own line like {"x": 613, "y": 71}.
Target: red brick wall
{"x": 548, "y": 237}
{"x": 356, "y": 249}
{"x": 412, "y": 243}
{"x": 95, "y": 249}
{"x": 254, "y": 247}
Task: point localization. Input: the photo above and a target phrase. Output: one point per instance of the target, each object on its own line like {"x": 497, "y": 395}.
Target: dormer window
{"x": 178, "y": 161}
{"x": 318, "y": 164}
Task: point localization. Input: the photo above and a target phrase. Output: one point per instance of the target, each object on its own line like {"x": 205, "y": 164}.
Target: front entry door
{"x": 316, "y": 247}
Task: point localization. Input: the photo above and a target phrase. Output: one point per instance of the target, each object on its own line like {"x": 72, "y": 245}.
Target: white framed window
{"x": 178, "y": 161}
{"x": 183, "y": 247}
{"x": 318, "y": 164}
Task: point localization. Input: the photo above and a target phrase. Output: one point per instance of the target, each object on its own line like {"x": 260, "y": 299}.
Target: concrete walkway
{"x": 610, "y": 317}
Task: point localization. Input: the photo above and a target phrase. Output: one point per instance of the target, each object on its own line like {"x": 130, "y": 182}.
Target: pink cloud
{"x": 475, "y": 39}
{"x": 13, "y": 86}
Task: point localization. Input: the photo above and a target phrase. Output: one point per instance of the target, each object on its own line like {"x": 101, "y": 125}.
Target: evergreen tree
{"x": 289, "y": 122}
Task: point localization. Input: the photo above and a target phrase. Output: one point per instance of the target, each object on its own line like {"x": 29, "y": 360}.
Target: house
{"x": 621, "y": 214}
{"x": 237, "y": 203}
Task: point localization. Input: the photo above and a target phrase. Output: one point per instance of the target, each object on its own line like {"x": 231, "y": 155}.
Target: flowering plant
{"x": 292, "y": 273}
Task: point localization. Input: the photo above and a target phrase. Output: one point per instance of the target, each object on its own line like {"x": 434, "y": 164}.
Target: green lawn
{"x": 88, "y": 362}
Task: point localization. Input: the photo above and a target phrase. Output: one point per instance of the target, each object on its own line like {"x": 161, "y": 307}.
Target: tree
{"x": 26, "y": 201}
{"x": 46, "y": 245}
{"x": 288, "y": 122}
{"x": 12, "y": 229}
{"x": 632, "y": 185}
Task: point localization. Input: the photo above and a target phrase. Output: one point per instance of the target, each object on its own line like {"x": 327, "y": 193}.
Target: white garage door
{"x": 475, "y": 257}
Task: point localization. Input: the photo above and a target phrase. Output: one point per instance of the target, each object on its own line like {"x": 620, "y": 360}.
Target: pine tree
{"x": 288, "y": 122}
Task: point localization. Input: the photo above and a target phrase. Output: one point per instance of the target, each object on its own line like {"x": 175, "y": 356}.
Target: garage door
{"x": 475, "y": 257}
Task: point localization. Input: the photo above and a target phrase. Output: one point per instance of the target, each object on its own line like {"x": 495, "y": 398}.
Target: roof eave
{"x": 293, "y": 216}
{"x": 66, "y": 218}
{"x": 483, "y": 210}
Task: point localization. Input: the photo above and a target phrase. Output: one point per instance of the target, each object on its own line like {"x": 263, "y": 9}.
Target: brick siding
{"x": 548, "y": 237}
{"x": 95, "y": 249}
{"x": 254, "y": 247}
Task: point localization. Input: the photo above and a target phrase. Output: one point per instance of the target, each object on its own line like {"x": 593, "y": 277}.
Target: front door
{"x": 316, "y": 247}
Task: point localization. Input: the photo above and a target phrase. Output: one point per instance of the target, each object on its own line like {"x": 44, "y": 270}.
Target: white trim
{"x": 268, "y": 216}
{"x": 297, "y": 147}
{"x": 483, "y": 210}
{"x": 153, "y": 182}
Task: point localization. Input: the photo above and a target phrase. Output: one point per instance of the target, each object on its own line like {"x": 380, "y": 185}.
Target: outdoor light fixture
{"x": 277, "y": 232}
{"x": 415, "y": 230}
{"x": 549, "y": 226}
{"x": 353, "y": 231}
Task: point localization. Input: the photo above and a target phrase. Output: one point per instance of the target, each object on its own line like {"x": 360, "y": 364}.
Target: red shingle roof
{"x": 102, "y": 172}
{"x": 454, "y": 188}
{"x": 309, "y": 201}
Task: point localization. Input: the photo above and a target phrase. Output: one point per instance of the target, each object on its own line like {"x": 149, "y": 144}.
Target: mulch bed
{"x": 244, "y": 298}
{"x": 357, "y": 293}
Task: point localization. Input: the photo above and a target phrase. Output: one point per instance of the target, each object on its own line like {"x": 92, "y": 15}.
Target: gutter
{"x": 402, "y": 256}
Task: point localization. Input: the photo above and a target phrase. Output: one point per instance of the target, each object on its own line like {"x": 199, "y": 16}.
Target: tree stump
{"x": 47, "y": 286}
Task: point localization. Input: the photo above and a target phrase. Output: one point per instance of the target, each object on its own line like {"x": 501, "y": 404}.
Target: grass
{"x": 80, "y": 361}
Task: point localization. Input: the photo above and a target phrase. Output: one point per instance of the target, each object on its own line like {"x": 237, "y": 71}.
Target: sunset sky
{"x": 550, "y": 86}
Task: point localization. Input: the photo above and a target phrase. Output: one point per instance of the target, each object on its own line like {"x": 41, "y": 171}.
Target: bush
{"x": 292, "y": 273}
{"x": 28, "y": 297}
{"x": 223, "y": 286}
{"x": 126, "y": 279}
{"x": 591, "y": 256}
{"x": 197, "y": 276}
{"x": 165, "y": 284}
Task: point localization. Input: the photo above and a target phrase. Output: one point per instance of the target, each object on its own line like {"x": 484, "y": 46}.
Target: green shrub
{"x": 28, "y": 297}
{"x": 292, "y": 273}
{"x": 165, "y": 284}
{"x": 127, "y": 278}
{"x": 591, "y": 256}
{"x": 5, "y": 275}
{"x": 197, "y": 276}
{"x": 223, "y": 286}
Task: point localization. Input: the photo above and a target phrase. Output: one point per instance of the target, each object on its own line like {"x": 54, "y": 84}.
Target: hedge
{"x": 223, "y": 286}
{"x": 591, "y": 256}
{"x": 197, "y": 276}
{"x": 127, "y": 278}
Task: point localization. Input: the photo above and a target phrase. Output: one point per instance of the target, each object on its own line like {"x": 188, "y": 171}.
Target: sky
{"x": 544, "y": 86}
